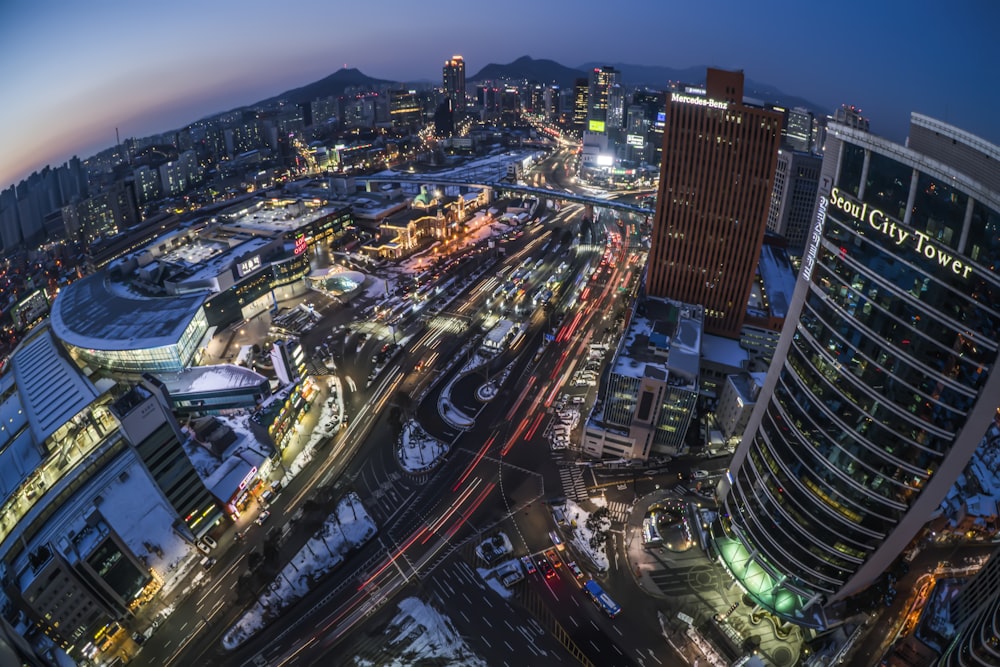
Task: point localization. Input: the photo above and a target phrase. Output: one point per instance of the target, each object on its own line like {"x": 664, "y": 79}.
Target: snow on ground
{"x": 582, "y": 534}
{"x": 133, "y": 507}
{"x": 428, "y": 636}
{"x": 492, "y": 578}
{"x": 417, "y": 450}
{"x": 348, "y": 527}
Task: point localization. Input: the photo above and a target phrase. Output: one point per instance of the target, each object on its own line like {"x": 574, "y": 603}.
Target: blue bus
{"x": 601, "y": 599}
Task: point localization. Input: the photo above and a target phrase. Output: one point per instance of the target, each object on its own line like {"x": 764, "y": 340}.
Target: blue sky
{"x": 74, "y": 71}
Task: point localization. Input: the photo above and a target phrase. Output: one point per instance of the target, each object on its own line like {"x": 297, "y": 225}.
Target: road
{"x": 500, "y": 466}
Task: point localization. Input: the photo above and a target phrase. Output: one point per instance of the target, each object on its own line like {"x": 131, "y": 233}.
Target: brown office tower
{"x": 716, "y": 176}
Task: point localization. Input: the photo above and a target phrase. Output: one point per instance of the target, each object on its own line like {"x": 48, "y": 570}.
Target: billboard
{"x": 635, "y": 140}
{"x": 596, "y": 126}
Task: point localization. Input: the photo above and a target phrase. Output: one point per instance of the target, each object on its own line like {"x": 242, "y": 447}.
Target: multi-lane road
{"x": 496, "y": 475}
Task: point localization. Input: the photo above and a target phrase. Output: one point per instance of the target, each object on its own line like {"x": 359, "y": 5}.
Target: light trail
{"x": 517, "y": 404}
{"x": 475, "y": 505}
{"x": 436, "y": 525}
{"x": 475, "y": 461}
{"x": 534, "y": 427}
{"x": 510, "y": 441}
{"x": 399, "y": 552}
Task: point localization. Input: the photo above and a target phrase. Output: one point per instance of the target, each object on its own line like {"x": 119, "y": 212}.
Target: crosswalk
{"x": 617, "y": 511}
{"x": 573, "y": 484}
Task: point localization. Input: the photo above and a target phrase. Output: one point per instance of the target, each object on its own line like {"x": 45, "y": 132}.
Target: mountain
{"x": 526, "y": 67}
{"x": 657, "y": 76}
{"x": 333, "y": 85}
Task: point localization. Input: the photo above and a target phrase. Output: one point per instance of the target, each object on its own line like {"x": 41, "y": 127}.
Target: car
{"x": 575, "y": 569}
{"x": 207, "y": 539}
{"x": 207, "y": 562}
{"x": 204, "y": 548}
{"x": 529, "y": 565}
{"x": 553, "y": 557}
{"x": 262, "y": 517}
{"x": 699, "y": 474}
{"x": 546, "y": 567}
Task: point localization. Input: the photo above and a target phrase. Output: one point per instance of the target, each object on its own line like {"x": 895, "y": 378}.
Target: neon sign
{"x": 876, "y": 219}
{"x": 817, "y": 232}
{"x": 246, "y": 480}
{"x": 699, "y": 101}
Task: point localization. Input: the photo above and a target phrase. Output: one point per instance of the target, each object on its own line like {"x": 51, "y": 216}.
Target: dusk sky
{"x": 74, "y": 71}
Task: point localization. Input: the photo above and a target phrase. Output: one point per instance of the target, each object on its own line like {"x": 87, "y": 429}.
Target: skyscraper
{"x": 880, "y": 389}
{"x": 580, "y": 90}
{"x": 711, "y": 210}
{"x": 604, "y": 100}
{"x": 453, "y": 77}
{"x": 796, "y": 180}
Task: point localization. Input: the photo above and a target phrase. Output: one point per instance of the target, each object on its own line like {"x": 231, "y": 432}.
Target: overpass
{"x": 480, "y": 177}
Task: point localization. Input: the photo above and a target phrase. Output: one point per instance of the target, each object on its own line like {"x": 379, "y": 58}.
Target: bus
{"x": 601, "y": 599}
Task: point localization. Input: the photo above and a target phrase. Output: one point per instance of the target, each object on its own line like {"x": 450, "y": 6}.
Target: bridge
{"x": 484, "y": 177}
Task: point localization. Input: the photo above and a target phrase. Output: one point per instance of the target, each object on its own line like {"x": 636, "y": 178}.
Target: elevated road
{"x": 468, "y": 180}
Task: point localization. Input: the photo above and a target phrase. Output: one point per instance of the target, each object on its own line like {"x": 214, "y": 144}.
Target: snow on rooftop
{"x": 135, "y": 508}
{"x": 200, "y": 379}
{"x": 223, "y": 475}
{"x": 674, "y": 332}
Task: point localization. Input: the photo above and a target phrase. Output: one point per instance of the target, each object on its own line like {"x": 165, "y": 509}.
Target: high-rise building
{"x": 796, "y": 181}
{"x": 604, "y": 100}
{"x": 716, "y": 177}
{"x": 798, "y": 130}
{"x": 453, "y": 76}
{"x": 581, "y": 88}
{"x": 404, "y": 109}
{"x": 880, "y": 390}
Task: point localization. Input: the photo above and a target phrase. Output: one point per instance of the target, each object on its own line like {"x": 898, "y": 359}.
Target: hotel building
{"x": 881, "y": 387}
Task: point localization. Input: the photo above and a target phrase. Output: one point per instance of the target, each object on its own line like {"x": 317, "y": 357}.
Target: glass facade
{"x": 897, "y": 333}
{"x": 164, "y": 358}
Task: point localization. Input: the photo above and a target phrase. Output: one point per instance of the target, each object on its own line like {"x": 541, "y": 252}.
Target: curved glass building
{"x": 881, "y": 387}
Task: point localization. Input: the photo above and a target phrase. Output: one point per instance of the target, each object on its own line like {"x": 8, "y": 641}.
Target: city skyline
{"x": 163, "y": 68}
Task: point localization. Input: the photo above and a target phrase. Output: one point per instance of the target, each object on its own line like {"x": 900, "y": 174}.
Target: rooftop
{"x": 662, "y": 342}
{"x": 91, "y": 314}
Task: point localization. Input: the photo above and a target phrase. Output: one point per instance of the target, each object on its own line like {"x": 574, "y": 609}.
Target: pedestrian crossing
{"x": 618, "y": 511}
{"x": 573, "y": 484}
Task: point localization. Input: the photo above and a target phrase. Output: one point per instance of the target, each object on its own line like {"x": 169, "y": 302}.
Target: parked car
{"x": 699, "y": 474}
{"x": 207, "y": 539}
{"x": 204, "y": 548}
